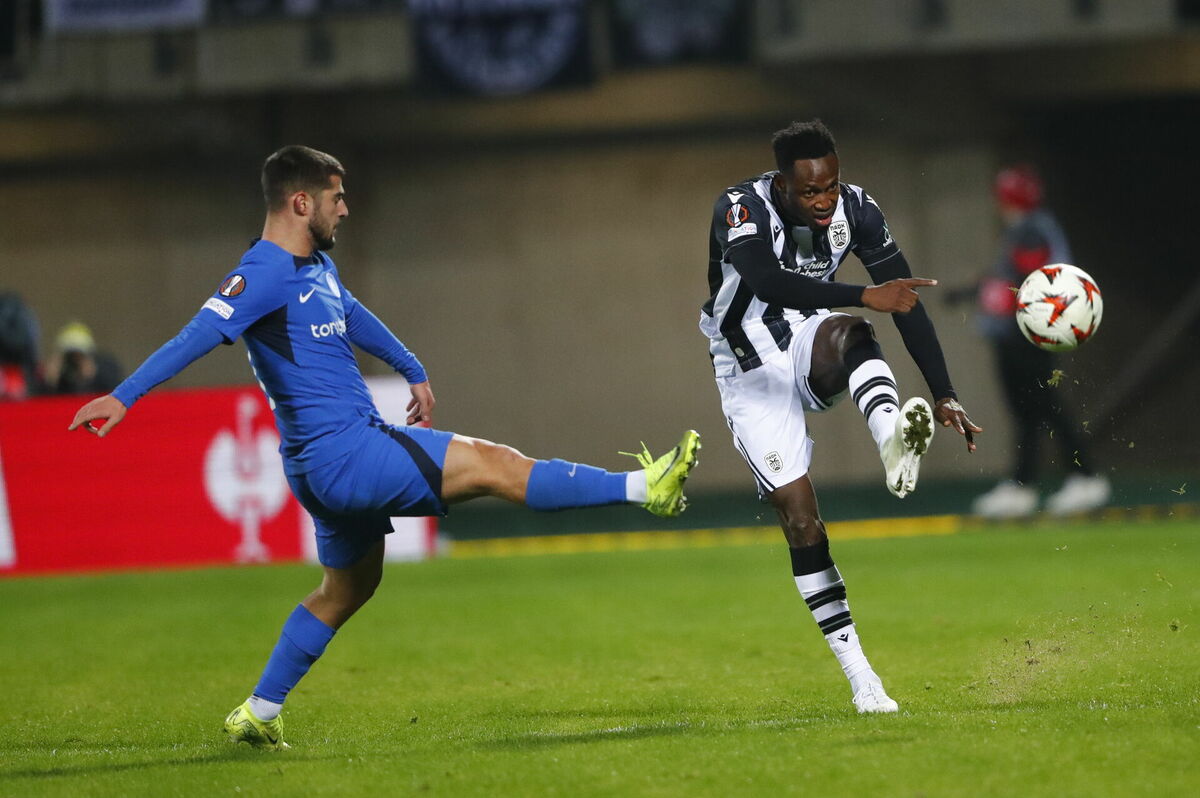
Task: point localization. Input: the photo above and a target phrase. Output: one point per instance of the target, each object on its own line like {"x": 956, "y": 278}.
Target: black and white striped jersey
{"x": 745, "y": 329}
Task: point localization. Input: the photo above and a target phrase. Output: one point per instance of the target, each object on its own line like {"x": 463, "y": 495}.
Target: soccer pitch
{"x": 1026, "y": 660}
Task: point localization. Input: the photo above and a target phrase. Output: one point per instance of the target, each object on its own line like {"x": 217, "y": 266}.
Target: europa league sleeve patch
{"x": 737, "y": 217}
{"x": 233, "y": 286}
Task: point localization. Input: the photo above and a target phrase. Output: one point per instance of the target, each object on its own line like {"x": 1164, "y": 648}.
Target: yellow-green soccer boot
{"x": 666, "y": 475}
{"x": 243, "y": 727}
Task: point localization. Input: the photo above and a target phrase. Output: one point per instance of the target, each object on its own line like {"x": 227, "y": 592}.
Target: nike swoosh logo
{"x": 304, "y": 297}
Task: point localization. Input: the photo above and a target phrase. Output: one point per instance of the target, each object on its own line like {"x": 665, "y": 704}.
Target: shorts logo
{"x": 774, "y": 462}
{"x": 839, "y": 234}
{"x": 233, "y": 286}
{"x": 222, "y": 309}
{"x": 736, "y": 214}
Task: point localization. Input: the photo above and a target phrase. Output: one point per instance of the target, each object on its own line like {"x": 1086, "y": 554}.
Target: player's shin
{"x": 301, "y": 643}
{"x": 559, "y": 485}
{"x": 824, "y": 592}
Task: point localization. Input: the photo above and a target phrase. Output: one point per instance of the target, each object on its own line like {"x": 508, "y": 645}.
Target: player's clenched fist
{"x": 107, "y": 409}
{"x": 894, "y": 296}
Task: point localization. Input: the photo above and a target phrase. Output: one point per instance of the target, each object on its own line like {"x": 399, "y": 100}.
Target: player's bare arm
{"x": 107, "y": 408}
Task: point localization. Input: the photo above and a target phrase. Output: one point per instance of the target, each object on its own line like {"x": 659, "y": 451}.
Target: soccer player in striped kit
{"x": 349, "y": 469}
{"x": 775, "y": 243}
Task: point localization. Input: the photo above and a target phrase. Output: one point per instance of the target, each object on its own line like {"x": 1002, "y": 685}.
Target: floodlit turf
{"x": 1026, "y": 662}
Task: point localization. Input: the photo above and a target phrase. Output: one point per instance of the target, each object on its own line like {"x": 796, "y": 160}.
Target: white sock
{"x": 825, "y": 594}
{"x": 873, "y": 389}
{"x": 850, "y": 656}
{"x": 635, "y": 487}
{"x": 264, "y": 709}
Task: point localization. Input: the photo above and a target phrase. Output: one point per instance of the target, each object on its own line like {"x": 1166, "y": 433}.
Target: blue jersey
{"x": 298, "y": 322}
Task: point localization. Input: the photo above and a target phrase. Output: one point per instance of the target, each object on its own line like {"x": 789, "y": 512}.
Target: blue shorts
{"x": 389, "y": 471}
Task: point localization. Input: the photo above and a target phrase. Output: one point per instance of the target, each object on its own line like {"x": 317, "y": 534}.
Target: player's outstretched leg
{"x": 476, "y": 467}
{"x": 846, "y": 356}
{"x": 821, "y": 586}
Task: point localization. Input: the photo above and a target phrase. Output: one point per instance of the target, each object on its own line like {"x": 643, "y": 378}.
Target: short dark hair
{"x": 802, "y": 141}
{"x": 297, "y": 168}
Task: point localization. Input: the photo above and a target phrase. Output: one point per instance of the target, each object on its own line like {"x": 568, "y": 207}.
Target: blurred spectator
{"x": 1031, "y": 239}
{"x": 18, "y": 348}
{"x": 77, "y": 366}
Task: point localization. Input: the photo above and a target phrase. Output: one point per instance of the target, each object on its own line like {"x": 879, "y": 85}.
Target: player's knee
{"x": 346, "y": 596}
{"x": 857, "y": 343}
{"x": 803, "y": 529}
{"x": 498, "y": 466}
{"x": 856, "y": 331}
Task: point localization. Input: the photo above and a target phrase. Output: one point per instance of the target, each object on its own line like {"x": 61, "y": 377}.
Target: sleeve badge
{"x": 232, "y": 286}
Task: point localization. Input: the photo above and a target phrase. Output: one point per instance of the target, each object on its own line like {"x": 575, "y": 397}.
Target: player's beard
{"x": 324, "y": 239}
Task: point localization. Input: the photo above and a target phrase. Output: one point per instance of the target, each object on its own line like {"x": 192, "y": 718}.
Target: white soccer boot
{"x": 1079, "y": 494}
{"x": 871, "y": 699}
{"x": 1007, "y": 500}
{"x": 902, "y": 452}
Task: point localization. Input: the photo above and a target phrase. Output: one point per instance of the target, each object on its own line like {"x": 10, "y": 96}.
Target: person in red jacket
{"x": 1031, "y": 239}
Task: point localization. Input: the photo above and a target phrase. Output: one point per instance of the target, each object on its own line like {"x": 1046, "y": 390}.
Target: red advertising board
{"x": 189, "y": 478}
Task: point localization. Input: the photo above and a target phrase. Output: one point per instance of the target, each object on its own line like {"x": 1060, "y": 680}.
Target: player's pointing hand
{"x": 106, "y": 408}
{"x": 895, "y": 296}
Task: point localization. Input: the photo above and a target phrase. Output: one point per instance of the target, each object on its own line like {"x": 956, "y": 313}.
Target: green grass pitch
{"x": 1027, "y": 661}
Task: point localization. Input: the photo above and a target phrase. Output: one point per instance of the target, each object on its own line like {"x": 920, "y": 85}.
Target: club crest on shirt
{"x": 333, "y": 286}
{"x": 774, "y": 462}
{"x": 233, "y": 285}
{"x": 839, "y": 234}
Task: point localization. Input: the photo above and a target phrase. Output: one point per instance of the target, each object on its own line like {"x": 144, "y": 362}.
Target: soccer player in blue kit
{"x": 348, "y": 468}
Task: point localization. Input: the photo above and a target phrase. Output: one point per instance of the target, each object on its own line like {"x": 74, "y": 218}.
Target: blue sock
{"x": 558, "y": 485}
{"x": 303, "y": 639}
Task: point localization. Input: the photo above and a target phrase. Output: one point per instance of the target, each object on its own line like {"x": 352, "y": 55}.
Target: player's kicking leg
{"x": 821, "y": 586}
{"x": 477, "y": 467}
{"x": 846, "y": 356}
